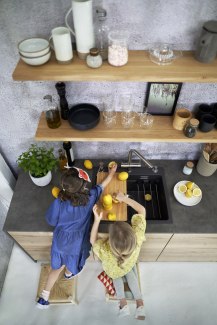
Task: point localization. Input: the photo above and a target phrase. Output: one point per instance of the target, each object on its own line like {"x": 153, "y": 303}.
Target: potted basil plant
{"x": 39, "y": 162}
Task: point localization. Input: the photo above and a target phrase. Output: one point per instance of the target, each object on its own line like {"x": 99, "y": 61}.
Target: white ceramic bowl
{"x": 38, "y": 60}
{"x": 33, "y": 47}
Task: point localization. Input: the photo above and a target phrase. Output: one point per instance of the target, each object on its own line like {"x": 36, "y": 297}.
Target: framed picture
{"x": 161, "y": 98}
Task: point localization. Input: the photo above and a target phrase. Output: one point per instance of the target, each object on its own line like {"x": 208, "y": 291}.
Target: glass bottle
{"x": 62, "y": 159}
{"x": 94, "y": 59}
{"x": 102, "y": 31}
{"x": 52, "y": 113}
{"x": 190, "y": 129}
{"x": 188, "y": 168}
{"x": 69, "y": 153}
{"x": 64, "y": 107}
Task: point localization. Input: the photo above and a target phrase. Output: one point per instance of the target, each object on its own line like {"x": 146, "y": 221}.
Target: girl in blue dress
{"x": 70, "y": 214}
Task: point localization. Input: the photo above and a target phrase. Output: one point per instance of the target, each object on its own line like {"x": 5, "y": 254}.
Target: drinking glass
{"x": 127, "y": 119}
{"x": 109, "y": 118}
{"x": 146, "y": 120}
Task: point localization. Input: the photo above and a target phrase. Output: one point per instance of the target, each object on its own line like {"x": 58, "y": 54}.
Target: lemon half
{"x": 148, "y": 197}
{"x": 190, "y": 185}
{"x": 189, "y": 193}
{"x": 197, "y": 191}
{"x": 182, "y": 188}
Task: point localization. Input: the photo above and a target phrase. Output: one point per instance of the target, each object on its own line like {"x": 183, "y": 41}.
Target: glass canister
{"x": 188, "y": 168}
{"x": 102, "y": 31}
{"x": 117, "y": 49}
{"x": 94, "y": 59}
{"x": 190, "y": 129}
{"x": 52, "y": 113}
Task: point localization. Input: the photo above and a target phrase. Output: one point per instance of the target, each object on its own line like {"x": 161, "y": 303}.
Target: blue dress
{"x": 71, "y": 238}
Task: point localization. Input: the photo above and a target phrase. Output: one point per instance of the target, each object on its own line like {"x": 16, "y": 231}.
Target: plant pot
{"x": 205, "y": 168}
{"x": 41, "y": 181}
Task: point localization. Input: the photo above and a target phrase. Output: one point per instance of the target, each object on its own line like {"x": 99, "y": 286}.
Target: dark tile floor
{"x": 6, "y": 245}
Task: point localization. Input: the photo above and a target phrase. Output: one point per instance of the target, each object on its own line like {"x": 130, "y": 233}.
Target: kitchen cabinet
{"x": 138, "y": 68}
{"x": 190, "y": 248}
{"x": 37, "y": 245}
{"x": 153, "y": 247}
{"x": 161, "y": 131}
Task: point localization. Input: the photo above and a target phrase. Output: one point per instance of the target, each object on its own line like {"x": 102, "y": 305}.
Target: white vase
{"x": 41, "y": 181}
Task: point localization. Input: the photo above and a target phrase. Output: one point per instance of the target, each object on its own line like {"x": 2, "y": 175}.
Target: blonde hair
{"x": 122, "y": 240}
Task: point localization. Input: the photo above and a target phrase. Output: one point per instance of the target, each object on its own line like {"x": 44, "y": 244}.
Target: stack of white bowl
{"x": 34, "y": 51}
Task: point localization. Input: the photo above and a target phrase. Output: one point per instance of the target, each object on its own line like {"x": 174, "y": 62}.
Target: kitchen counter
{"x": 29, "y": 204}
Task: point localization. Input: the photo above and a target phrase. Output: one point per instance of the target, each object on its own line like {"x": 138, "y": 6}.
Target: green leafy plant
{"x": 37, "y": 160}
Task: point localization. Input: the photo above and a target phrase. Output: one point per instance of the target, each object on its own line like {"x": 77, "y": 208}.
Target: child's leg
{"x": 132, "y": 281}
{"x": 119, "y": 288}
{"x": 52, "y": 278}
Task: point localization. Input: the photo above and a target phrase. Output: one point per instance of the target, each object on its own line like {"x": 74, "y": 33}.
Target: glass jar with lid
{"x": 117, "y": 49}
{"x": 102, "y": 31}
{"x": 188, "y": 168}
{"x": 190, "y": 129}
{"x": 94, "y": 59}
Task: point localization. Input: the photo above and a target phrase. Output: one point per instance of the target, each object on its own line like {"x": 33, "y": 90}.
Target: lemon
{"x": 111, "y": 164}
{"x": 55, "y": 191}
{"x": 112, "y": 216}
{"x": 88, "y": 164}
{"x": 182, "y": 188}
{"x": 107, "y": 207}
{"x": 148, "y": 197}
{"x": 197, "y": 191}
{"x": 190, "y": 185}
{"x": 123, "y": 176}
{"x": 188, "y": 193}
{"x": 107, "y": 199}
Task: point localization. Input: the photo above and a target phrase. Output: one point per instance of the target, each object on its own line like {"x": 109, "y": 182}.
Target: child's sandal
{"x": 68, "y": 277}
{"x": 140, "y": 313}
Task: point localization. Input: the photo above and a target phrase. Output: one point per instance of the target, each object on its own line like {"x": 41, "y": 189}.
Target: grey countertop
{"x": 30, "y": 202}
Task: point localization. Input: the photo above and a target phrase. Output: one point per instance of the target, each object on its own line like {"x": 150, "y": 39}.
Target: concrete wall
{"x": 147, "y": 21}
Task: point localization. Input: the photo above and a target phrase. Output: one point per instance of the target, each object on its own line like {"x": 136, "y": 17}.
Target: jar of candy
{"x": 117, "y": 49}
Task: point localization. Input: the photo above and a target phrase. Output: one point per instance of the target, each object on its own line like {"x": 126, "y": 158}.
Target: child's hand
{"x": 97, "y": 216}
{"x": 120, "y": 196}
{"x": 113, "y": 169}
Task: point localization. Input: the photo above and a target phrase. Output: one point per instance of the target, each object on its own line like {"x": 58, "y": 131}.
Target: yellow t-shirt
{"x": 109, "y": 262}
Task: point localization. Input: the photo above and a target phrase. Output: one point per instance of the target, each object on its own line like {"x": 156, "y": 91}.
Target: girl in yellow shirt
{"x": 119, "y": 253}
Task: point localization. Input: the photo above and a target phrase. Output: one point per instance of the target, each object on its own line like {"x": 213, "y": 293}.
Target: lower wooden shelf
{"x": 161, "y": 131}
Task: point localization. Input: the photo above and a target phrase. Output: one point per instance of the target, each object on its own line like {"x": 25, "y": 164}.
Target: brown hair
{"x": 73, "y": 188}
{"x": 122, "y": 240}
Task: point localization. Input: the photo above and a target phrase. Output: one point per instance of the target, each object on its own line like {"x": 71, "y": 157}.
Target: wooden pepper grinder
{"x": 64, "y": 107}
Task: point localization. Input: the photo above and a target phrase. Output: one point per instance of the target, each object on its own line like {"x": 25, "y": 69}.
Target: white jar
{"x": 188, "y": 168}
{"x": 94, "y": 59}
{"x": 117, "y": 49}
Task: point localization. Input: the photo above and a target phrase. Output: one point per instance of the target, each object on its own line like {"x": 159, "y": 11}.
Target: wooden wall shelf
{"x": 162, "y": 131}
{"x": 138, "y": 68}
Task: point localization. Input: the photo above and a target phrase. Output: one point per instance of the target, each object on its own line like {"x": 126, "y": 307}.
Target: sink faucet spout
{"x": 154, "y": 168}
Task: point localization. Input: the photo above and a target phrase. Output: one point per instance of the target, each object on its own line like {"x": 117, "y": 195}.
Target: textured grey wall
{"x": 177, "y": 22}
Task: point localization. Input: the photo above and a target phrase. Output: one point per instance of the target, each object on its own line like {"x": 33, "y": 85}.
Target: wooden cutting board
{"x": 120, "y": 209}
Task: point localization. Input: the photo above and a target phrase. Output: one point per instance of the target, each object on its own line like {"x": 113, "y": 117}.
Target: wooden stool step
{"x": 63, "y": 292}
{"x": 127, "y": 291}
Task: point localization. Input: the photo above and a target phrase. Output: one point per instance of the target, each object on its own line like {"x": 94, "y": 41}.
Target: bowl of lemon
{"x": 187, "y": 193}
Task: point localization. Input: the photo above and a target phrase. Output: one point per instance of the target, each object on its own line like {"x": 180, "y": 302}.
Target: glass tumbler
{"x": 146, "y": 120}
{"x": 109, "y": 118}
{"x": 127, "y": 119}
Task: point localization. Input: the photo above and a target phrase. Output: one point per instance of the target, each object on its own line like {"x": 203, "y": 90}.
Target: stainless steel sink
{"x": 143, "y": 181}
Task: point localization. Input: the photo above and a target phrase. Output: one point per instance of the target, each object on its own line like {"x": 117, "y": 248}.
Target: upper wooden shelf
{"x": 138, "y": 68}
{"x": 162, "y": 131}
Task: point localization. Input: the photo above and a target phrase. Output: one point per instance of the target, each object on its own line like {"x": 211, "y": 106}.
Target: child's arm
{"x": 134, "y": 204}
{"x": 110, "y": 175}
{"x": 94, "y": 230}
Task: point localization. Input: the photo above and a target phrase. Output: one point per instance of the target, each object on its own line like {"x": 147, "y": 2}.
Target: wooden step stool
{"x": 63, "y": 292}
{"x": 128, "y": 293}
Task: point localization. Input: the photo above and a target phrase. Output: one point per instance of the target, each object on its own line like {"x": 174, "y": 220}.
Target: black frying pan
{"x": 84, "y": 116}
